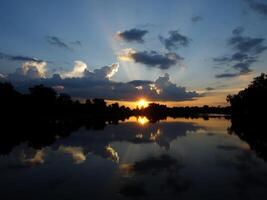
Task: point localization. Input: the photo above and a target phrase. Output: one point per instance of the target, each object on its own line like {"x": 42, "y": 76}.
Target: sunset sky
{"x": 183, "y": 52}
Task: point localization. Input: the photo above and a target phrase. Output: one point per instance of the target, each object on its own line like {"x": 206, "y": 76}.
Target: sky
{"x": 183, "y": 52}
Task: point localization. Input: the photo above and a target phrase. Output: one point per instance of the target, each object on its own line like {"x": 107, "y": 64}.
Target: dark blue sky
{"x": 191, "y": 40}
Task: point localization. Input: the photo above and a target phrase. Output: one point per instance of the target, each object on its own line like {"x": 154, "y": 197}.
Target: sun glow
{"x": 142, "y": 103}
{"x": 142, "y": 120}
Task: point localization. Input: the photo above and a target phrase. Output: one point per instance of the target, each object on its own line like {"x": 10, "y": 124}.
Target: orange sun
{"x": 142, "y": 120}
{"x": 142, "y": 103}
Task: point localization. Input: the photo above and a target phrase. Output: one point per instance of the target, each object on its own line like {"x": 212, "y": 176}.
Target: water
{"x": 172, "y": 159}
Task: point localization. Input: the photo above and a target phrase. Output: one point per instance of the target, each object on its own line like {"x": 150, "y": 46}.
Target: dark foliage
{"x": 155, "y": 112}
{"x": 253, "y": 132}
{"x": 252, "y": 100}
{"x": 43, "y": 102}
{"x": 248, "y": 109}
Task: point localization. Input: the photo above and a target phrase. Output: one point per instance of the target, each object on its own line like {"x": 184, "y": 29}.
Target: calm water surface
{"x": 172, "y": 159}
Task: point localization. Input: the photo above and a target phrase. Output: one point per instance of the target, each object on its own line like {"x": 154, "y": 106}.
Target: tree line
{"x": 45, "y": 102}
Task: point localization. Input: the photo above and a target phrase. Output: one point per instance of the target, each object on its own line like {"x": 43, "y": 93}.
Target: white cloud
{"x": 126, "y": 55}
{"x": 106, "y": 72}
{"x": 78, "y": 70}
{"x": 29, "y": 70}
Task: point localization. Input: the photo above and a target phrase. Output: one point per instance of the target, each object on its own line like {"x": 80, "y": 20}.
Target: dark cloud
{"x": 259, "y": 7}
{"x": 228, "y": 147}
{"x": 156, "y": 164}
{"x": 196, "y": 18}
{"x": 210, "y": 88}
{"x": 97, "y": 84}
{"x": 221, "y": 60}
{"x": 247, "y": 44}
{"x": 238, "y": 30}
{"x": 53, "y": 40}
{"x": 227, "y": 75}
{"x": 174, "y": 41}
{"x": 140, "y": 82}
{"x": 161, "y": 89}
{"x": 77, "y": 42}
{"x": 133, "y": 35}
{"x": 243, "y": 68}
{"x": 239, "y": 57}
{"x": 18, "y": 58}
{"x": 246, "y": 52}
{"x": 152, "y": 58}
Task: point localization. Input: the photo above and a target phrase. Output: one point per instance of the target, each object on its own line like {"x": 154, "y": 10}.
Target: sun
{"x": 142, "y": 103}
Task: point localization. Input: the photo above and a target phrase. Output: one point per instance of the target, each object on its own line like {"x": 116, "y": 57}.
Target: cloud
{"x": 151, "y": 58}
{"x": 58, "y": 88}
{"x": 227, "y": 75}
{"x": 106, "y": 71}
{"x": 260, "y": 8}
{"x": 76, "y": 153}
{"x": 246, "y": 51}
{"x": 53, "y": 40}
{"x": 228, "y": 147}
{"x": 210, "y": 88}
{"x": 239, "y": 57}
{"x": 2, "y": 76}
{"x": 238, "y": 30}
{"x": 196, "y": 18}
{"x": 140, "y": 82}
{"x": 174, "y": 41}
{"x": 161, "y": 89}
{"x": 221, "y": 60}
{"x": 247, "y": 44}
{"x": 38, "y": 158}
{"x": 18, "y": 58}
{"x": 97, "y": 84}
{"x": 29, "y": 70}
{"x": 132, "y": 35}
{"x": 242, "y": 67}
{"x": 113, "y": 154}
{"x": 78, "y": 70}
{"x": 77, "y": 43}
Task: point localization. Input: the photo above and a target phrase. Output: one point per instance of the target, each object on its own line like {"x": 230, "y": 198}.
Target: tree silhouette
{"x": 248, "y": 109}
{"x": 252, "y": 100}
{"x": 43, "y": 94}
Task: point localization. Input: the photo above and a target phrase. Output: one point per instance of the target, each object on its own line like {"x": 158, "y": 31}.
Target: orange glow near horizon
{"x": 197, "y": 102}
{"x": 215, "y": 98}
{"x": 142, "y": 103}
{"x": 142, "y": 120}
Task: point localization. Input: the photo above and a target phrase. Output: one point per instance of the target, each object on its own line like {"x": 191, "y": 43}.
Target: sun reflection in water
{"x": 126, "y": 169}
{"x": 155, "y": 136}
{"x": 142, "y": 120}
